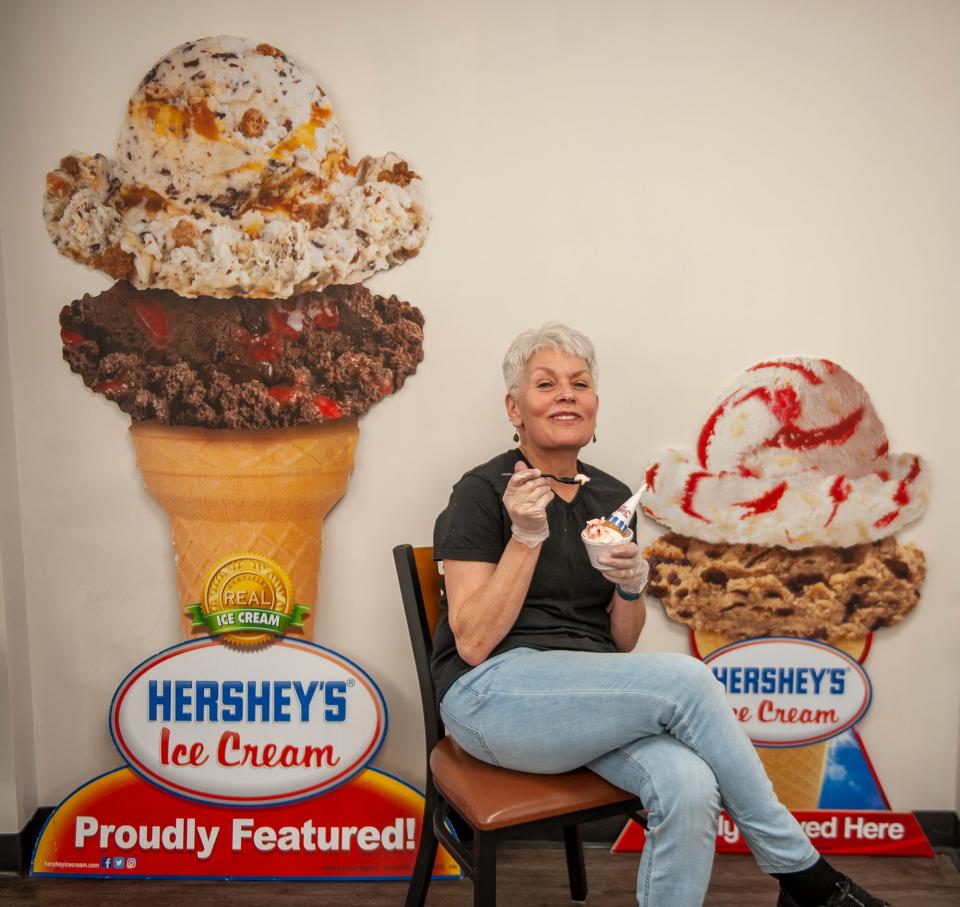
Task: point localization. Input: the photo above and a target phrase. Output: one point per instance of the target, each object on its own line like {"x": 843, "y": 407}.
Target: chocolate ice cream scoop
{"x": 242, "y": 363}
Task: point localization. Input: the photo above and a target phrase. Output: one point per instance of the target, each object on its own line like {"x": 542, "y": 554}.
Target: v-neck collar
{"x": 568, "y": 505}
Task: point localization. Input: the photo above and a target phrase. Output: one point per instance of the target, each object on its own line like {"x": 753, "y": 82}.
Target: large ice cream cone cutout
{"x": 238, "y": 492}
{"x": 782, "y": 518}
{"x": 239, "y": 336}
{"x": 796, "y": 772}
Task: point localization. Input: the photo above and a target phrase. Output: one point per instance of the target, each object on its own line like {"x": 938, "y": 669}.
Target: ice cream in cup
{"x": 599, "y": 537}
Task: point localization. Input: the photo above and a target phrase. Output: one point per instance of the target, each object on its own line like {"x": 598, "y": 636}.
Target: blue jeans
{"x": 656, "y": 725}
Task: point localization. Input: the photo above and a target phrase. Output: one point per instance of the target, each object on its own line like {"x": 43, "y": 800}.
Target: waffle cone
{"x": 264, "y": 492}
{"x": 796, "y": 772}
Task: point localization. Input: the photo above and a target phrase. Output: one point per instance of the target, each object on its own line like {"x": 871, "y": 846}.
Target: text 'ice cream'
{"x": 232, "y": 178}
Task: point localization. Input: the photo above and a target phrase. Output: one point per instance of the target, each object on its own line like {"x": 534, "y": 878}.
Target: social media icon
{"x": 118, "y": 862}
{"x": 106, "y": 862}
{"x": 131, "y": 862}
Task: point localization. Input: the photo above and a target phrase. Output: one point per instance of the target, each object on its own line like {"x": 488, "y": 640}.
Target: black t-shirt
{"x": 566, "y": 604}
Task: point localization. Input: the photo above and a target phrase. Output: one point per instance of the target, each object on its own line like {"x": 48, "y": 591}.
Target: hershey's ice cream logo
{"x": 791, "y": 692}
{"x": 768, "y": 679}
{"x": 250, "y": 700}
{"x": 236, "y": 701}
{"x": 193, "y": 721}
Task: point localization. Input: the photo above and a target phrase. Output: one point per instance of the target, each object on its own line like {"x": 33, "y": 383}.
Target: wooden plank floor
{"x": 528, "y": 877}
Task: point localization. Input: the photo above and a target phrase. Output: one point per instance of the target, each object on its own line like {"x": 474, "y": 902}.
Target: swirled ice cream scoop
{"x": 794, "y": 455}
{"x": 601, "y": 531}
{"x": 232, "y": 178}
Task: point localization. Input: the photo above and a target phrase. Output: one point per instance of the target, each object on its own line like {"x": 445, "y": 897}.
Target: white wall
{"x": 18, "y": 771}
{"x": 697, "y": 185}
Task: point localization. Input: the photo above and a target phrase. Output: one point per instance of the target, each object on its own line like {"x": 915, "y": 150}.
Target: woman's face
{"x": 555, "y": 406}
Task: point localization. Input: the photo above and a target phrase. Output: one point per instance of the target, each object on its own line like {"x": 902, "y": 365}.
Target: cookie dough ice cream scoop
{"x": 232, "y": 178}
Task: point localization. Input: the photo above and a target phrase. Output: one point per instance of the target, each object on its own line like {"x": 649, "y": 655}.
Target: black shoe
{"x": 847, "y": 894}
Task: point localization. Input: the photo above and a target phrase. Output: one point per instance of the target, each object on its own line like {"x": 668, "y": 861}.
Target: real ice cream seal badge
{"x": 247, "y": 599}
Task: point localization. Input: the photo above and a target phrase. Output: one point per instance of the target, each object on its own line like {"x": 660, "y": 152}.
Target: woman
{"x": 533, "y": 654}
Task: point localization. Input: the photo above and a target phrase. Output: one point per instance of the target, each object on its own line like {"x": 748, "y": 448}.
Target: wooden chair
{"x": 485, "y": 802}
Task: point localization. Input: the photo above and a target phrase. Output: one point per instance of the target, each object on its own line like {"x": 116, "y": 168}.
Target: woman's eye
{"x": 543, "y": 385}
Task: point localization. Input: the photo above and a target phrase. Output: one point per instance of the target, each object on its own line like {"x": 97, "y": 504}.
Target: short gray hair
{"x": 552, "y": 334}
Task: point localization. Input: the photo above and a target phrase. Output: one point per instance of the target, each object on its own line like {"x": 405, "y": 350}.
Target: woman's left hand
{"x": 629, "y": 569}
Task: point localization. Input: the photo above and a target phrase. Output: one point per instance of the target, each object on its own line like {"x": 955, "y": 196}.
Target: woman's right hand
{"x": 526, "y": 500}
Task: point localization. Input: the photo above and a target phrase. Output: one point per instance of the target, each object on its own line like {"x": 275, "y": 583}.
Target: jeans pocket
{"x": 468, "y": 738}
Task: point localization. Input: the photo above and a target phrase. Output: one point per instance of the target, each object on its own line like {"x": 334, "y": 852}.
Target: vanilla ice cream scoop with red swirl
{"x": 793, "y": 455}
{"x": 232, "y": 178}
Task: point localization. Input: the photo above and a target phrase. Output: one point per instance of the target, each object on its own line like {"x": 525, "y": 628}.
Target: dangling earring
{"x": 516, "y": 437}
{"x": 594, "y": 437}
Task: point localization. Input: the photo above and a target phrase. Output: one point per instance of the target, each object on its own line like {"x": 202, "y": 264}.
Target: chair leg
{"x": 426, "y": 853}
{"x": 576, "y": 870}
{"x": 485, "y": 863}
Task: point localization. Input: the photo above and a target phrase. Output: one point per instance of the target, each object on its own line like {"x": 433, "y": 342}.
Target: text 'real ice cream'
{"x": 793, "y": 454}
{"x": 232, "y": 178}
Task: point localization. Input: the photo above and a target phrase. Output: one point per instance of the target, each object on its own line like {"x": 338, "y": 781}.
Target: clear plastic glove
{"x": 630, "y": 571}
{"x": 526, "y": 500}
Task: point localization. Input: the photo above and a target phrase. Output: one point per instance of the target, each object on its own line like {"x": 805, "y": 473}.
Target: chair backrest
{"x": 420, "y": 590}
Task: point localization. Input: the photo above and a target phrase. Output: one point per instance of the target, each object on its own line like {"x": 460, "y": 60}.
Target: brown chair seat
{"x": 490, "y": 797}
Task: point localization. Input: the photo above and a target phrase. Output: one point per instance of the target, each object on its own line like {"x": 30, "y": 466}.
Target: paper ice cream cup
{"x": 597, "y": 549}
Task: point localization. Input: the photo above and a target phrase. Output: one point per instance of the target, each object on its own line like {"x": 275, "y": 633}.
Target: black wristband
{"x": 628, "y": 596}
